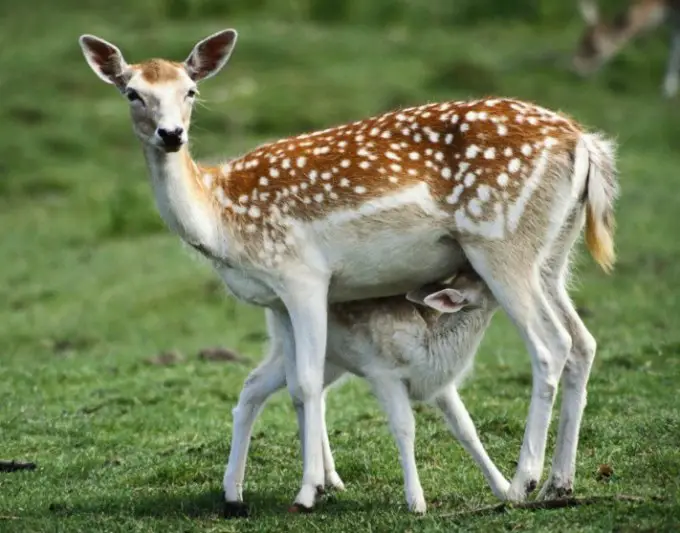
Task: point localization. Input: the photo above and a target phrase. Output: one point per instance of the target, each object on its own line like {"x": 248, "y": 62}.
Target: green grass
{"x": 93, "y": 284}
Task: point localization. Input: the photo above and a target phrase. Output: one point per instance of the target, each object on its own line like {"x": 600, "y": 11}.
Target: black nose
{"x": 171, "y": 138}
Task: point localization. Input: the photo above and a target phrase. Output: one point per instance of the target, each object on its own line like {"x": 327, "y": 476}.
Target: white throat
{"x": 178, "y": 197}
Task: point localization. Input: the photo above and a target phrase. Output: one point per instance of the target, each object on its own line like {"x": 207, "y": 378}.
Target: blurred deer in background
{"x": 602, "y": 40}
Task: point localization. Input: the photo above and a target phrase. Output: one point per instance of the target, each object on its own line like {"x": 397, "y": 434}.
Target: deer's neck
{"x": 181, "y": 198}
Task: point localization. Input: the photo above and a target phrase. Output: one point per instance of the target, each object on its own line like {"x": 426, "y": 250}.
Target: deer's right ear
{"x": 105, "y": 59}
{"x": 589, "y": 11}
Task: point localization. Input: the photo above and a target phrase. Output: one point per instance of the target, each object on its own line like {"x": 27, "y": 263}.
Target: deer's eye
{"x": 133, "y": 95}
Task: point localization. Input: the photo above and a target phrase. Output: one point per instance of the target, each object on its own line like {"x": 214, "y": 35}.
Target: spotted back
{"x": 475, "y": 158}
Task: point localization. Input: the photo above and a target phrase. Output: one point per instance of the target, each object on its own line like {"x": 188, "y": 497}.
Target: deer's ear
{"x": 589, "y": 12}
{"x": 210, "y": 55}
{"x": 446, "y": 301}
{"x": 105, "y": 59}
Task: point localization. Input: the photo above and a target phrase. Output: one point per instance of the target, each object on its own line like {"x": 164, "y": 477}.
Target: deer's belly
{"x": 390, "y": 263}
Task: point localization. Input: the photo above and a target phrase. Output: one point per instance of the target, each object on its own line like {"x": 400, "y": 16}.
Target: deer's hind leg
{"x": 515, "y": 281}
{"x": 578, "y": 365}
{"x": 512, "y": 268}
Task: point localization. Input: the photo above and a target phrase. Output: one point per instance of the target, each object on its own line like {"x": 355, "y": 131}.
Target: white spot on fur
{"x": 472, "y": 151}
{"x": 475, "y": 207}
{"x": 455, "y": 195}
{"x": 515, "y": 211}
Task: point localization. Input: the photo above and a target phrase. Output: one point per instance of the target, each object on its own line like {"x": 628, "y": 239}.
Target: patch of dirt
{"x": 66, "y": 345}
{"x": 220, "y": 354}
{"x": 167, "y": 358}
{"x": 604, "y": 472}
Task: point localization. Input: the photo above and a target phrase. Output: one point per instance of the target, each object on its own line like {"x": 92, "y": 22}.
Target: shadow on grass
{"x": 207, "y": 505}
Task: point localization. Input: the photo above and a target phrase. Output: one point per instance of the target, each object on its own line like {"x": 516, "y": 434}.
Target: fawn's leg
{"x": 332, "y": 479}
{"x": 262, "y": 382}
{"x": 394, "y": 399}
{"x": 463, "y": 429}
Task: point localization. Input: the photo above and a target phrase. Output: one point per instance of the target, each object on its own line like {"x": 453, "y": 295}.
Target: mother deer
{"x": 380, "y": 207}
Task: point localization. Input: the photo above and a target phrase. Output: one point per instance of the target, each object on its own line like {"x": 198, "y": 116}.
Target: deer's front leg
{"x": 306, "y": 303}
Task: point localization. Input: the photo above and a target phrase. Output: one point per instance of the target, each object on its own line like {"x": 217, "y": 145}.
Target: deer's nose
{"x": 172, "y": 138}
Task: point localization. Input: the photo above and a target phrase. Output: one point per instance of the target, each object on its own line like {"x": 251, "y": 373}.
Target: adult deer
{"x": 381, "y": 207}
{"x": 601, "y": 40}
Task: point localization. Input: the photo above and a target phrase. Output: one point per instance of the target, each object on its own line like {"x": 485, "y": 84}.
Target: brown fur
{"x": 159, "y": 70}
{"x": 293, "y": 190}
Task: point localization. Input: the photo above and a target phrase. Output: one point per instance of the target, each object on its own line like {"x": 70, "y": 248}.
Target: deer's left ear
{"x": 210, "y": 55}
{"x": 105, "y": 59}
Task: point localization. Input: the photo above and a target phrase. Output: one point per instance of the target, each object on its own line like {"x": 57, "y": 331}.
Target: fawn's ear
{"x": 589, "y": 12}
{"x": 105, "y": 59}
{"x": 446, "y": 301}
{"x": 210, "y": 55}
{"x": 417, "y": 296}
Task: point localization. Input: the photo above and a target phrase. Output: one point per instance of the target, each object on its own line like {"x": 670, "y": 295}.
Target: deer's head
{"x": 596, "y": 44}
{"x": 161, "y": 93}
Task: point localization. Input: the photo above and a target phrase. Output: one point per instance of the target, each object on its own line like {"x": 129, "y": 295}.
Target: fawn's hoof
{"x": 299, "y": 508}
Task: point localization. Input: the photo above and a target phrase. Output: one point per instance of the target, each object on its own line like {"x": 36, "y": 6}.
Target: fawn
{"x": 417, "y": 347}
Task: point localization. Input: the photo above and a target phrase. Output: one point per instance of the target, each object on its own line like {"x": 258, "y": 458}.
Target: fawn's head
{"x": 161, "y": 92}
{"x": 465, "y": 291}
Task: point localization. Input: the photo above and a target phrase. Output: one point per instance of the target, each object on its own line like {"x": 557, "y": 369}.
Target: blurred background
{"x": 94, "y": 287}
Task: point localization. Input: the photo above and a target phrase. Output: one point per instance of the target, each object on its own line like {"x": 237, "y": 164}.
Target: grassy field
{"x": 93, "y": 285}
